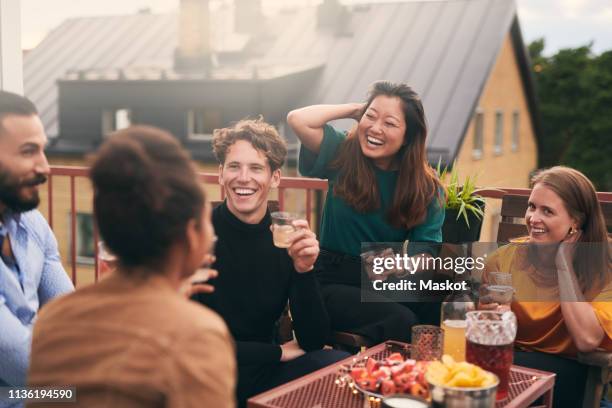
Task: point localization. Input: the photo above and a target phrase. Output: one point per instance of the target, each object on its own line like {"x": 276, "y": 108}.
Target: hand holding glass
{"x": 282, "y": 228}
{"x": 498, "y": 293}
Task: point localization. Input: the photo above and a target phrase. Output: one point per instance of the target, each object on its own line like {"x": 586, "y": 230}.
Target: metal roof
{"x": 94, "y": 43}
{"x": 444, "y": 49}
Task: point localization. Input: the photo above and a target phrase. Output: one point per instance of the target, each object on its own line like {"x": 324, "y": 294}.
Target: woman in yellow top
{"x": 563, "y": 290}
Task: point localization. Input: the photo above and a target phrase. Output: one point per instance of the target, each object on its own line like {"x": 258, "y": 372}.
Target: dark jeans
{"x": 377, "y": 321}
{"x": 253, "y": 380}
{"x": 570, "y": 379}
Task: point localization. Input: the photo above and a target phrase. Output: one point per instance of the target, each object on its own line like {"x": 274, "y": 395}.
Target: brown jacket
{"x": 134, "y": 343}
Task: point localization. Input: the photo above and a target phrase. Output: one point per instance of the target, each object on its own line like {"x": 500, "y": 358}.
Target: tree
{"x": 574, "y": 89}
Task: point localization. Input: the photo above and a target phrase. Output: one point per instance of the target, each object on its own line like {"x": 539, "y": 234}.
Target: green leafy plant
{"x": 462, "y": 197}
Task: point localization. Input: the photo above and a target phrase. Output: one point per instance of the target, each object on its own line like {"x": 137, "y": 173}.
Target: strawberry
{"x": 371, "y": 365}
{"x": 418, "y": 390}
{"x": 380, "y": 374}
{"x": 358, "y": 372}
{"x": 395, "y": 358}
{"x": 388, "y": 387}
{"x": 397, "y": 369}
{"x": 407, "y": 387}
{"x": 402, "y": 379}
{"x": 368, "y": 384}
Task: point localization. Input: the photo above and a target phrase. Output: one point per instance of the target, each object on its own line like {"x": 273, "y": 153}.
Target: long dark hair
{"x": 417, "y": 181}
{"x": 591, "y": 261}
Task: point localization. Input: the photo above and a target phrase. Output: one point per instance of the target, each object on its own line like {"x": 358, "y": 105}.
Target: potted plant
{"x": 464, "y": 207}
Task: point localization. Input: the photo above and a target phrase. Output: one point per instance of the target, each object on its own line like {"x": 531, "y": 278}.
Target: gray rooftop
{"x": 444, "y": 49}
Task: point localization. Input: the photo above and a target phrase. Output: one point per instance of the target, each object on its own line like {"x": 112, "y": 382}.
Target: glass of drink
{"x": 500, "y": 278}
{"x": 107, "y": 262}
{"x": 490, "y": 342}
{"x": 454, "y": 338}
{"x": 282, "y": 228}
{"x": 427, "y": 342}
{"x": 498, "y": 295}
{"x": 454, "y": 310}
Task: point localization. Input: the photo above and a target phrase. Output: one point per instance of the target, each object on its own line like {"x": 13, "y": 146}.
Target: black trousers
{"x": 377, "y": 321}
{"x": 569, "y": 382}
{"x": 253, "y": 380}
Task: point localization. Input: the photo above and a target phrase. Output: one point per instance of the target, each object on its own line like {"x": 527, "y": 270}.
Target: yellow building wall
{"x": 503, "y": 92}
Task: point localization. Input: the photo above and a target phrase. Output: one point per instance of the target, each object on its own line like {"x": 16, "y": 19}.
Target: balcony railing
{"x": 304, "y": 195}
{"x": 67, "y": 185}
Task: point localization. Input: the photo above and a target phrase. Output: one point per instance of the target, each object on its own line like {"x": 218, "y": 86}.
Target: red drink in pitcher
{"x": 494, "y": 358}
{"x": 489, "y": 344}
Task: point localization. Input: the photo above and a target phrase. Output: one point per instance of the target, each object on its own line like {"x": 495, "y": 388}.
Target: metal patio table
{"x": 319, "y": 389}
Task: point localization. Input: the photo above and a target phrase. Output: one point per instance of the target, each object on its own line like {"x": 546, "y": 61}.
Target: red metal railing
{"x": 72, "y": 173}
{"x": 294, "y": 183}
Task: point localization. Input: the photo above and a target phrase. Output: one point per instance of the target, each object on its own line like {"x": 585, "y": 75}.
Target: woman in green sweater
{"x": 381, "y": 189}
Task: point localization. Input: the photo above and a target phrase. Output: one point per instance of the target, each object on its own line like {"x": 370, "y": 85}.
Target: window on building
{"x": 202, "y": 122}
{"x": 85, "y": 251}
{"x": 515, "y": 130}
{"x": 115, "y": 119}
{"x": 478, "y": 134}
{"x": 499, "y": 132}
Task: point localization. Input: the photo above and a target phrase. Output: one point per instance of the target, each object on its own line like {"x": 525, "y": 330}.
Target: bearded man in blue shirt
{"x": 31, "y": 273}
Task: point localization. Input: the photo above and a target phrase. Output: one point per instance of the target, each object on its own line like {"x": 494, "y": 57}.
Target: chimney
{"x": 193, "y": 52}
{"x": 333, "y": 15}
{"x": 247, "y": 16}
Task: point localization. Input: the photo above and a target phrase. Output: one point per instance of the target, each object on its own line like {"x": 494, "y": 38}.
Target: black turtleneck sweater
{"x": 256, "y": 279}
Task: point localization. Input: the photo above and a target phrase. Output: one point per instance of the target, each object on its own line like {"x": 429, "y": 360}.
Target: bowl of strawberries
{"x": 395, "y": 374}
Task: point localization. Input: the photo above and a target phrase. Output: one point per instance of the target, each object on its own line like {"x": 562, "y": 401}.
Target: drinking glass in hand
{"x": 282, "y": 228}
{"x": 499, "y": 296}
{"x": 498, "y": 293}
{"x": 500, "y": 278}
{"x": 490, "y": 341}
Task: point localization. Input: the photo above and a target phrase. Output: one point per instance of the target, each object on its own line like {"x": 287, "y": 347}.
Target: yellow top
{"x": 540, "y": 323}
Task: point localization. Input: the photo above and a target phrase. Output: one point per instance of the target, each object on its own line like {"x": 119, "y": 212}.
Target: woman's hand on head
{"x": 308, "y": 122}
{"x": 358, "y": 111}
{"x": 567, "y": 249}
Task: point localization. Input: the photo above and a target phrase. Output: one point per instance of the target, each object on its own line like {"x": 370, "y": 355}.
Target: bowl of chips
{"x": 460, "y": 384}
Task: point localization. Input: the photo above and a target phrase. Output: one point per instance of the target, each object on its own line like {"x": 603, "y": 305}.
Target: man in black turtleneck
{"x": 257, "y": 279}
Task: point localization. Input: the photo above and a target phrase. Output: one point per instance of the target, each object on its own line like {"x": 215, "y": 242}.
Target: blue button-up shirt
{"x": 36, "y": 277}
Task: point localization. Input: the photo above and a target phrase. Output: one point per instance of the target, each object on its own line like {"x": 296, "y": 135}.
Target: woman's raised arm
{"x": 308, "y": 122}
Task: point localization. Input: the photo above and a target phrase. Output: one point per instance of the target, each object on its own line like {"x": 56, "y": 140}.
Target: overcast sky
{"x": 563, "y": 23}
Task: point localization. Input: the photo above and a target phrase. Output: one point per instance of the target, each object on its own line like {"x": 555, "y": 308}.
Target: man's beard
{"x": 10, "y": 188}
